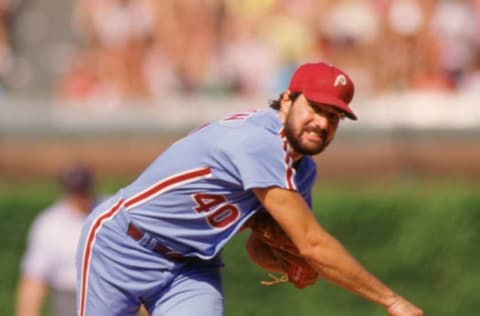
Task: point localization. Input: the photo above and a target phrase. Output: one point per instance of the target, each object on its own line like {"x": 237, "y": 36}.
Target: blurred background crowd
{"x": 146, "y": 49}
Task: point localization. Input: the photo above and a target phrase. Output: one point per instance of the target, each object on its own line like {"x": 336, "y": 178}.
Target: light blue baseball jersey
{"x": 192, "y": 199}
{"x": 197, "y": 194}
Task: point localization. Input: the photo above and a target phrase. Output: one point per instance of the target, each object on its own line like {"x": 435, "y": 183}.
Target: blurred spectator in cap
{"x": 48, "y": 265}
{"x": 77, "y": 179}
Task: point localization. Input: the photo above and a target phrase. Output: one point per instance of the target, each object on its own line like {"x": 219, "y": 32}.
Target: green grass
{"x": 19, "y": 204}
{"x": 420, "y": 238}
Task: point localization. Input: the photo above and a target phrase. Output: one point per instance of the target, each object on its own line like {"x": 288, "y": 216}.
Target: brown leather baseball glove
{"x": 297, "y": 270}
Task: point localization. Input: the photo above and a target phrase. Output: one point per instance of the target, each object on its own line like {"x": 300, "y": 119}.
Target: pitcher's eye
{"x": 325, "y": 110}
{"x": 334, "y": 116}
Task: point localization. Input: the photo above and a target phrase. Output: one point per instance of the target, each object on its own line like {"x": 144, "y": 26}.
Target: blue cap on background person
{"x": 77, "y": 178}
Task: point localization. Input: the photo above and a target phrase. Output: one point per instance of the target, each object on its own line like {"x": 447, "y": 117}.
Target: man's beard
{"x": 294, "y": 141}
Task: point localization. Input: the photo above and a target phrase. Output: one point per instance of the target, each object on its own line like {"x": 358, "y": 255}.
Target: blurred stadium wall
{"x": 400, "y": 132}
{"x": 408, "y": 134}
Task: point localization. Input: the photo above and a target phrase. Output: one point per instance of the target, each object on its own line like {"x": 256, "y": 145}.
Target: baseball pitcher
{"x": 157, "y": 241}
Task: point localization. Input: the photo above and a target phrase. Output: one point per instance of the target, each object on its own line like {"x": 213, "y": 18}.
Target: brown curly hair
{"x": 275, "y": 104}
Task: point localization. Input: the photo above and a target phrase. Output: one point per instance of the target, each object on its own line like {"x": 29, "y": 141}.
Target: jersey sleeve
{"x": 261, "y": 160}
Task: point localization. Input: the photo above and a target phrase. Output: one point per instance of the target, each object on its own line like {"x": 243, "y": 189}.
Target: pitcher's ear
{"x": 286, "y": 96}
{"x": 285, "y": 103}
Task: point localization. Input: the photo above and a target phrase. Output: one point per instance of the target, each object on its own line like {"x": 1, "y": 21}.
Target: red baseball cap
{"x": 325, "y": 84}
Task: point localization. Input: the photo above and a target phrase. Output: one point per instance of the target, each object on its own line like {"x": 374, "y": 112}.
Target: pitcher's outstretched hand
{"x": 402, "y": 307}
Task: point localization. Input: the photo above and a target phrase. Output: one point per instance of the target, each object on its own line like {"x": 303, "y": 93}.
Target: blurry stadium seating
{"x": 114, "y": 68}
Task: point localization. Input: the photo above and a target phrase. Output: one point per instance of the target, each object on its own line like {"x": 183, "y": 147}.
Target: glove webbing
{"x": 275, "y": 279}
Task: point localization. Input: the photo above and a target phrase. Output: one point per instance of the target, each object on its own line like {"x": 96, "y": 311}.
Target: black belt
{"x": 137, "y": 234}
